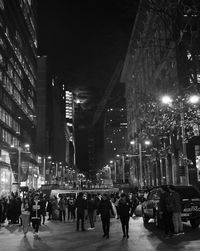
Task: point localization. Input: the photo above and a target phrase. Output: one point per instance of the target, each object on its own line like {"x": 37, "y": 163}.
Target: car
{"x": 190, "y": 201}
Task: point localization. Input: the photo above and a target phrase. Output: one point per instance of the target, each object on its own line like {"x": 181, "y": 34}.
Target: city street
{"x": 62, "y": 236}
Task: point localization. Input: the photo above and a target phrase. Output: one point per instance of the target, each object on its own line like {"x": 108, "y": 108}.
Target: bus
{"x": 75, "y": 192}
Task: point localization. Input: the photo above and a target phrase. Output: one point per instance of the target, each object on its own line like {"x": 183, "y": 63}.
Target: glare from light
{"x": 132, "y": 142}
{"x": 194, "y": 99}
{"x": 147, "y": 142}
{"x": 166, "y": 99}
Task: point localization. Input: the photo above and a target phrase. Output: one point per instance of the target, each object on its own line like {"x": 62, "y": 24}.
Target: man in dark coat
{"x": 105, "y": 210}
{"x": 80, "y": 205}
{"x": 165, "y": 210}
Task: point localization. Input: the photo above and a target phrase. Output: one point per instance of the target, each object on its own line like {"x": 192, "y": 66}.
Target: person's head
{"x": 80, "y": 195}
{"x": 104, "y": 196}
{"x": 123, "y": 196}
{"x": 89, "y": 196}
{"x": 165, "y": 188}
{"x": 171, "y": 188}
{"x": 36, "y": 196}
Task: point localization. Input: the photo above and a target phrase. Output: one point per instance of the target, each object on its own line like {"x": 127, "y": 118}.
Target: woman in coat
{"x": 25, "y": 215}
{"x": 124, "y": 210}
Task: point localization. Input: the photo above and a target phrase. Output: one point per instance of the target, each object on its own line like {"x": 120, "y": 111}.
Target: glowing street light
{"x": 166, "y": 99}
{"x": 132, "y": 142}
{"x": 147, "y": 142}
{"x": 194, "y": 99}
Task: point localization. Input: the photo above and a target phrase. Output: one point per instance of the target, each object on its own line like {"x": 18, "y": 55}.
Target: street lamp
{"x": 193, "y": 99}
{"x": 19, "y": 149}
{"x": 146, "y": 143}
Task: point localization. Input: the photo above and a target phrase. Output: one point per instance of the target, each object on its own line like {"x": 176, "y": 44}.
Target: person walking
{"x": 134, "y": 203}
{"x": 166, "y": 211}
{"x": 25, "y": 215}
{"x": 105, "y": 210}
{"x": 176, "y": 213}
{"x": 62, "y": 208}
{"x": 49, "y": 208}
{"x": 36, "y": 215}
{"x": 124, "y": 211}
{"x": 71, "y": 208}
{"x": 90, "y": 210}
{"x": 43, "y": 207}
{"x": 80, "y": 205}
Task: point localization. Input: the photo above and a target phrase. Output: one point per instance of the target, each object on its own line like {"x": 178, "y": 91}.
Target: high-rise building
{"x": 163, "y": 58}
{"x": 70, "y": 160}
{"x": 55, "y": 144}
{"x": 18, "y": 73}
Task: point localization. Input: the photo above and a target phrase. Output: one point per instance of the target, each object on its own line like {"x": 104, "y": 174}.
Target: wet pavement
{"x": 63, "y": 237}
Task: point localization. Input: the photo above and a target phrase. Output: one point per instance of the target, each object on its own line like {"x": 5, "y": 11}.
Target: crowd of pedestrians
{"x": 35, "y": 208}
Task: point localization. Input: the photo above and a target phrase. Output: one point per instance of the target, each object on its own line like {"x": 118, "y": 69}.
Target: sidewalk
{"x": 61, "y": 236}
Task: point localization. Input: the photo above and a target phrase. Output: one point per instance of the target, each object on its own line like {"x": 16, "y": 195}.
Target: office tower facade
{"x": 18, "y": 70}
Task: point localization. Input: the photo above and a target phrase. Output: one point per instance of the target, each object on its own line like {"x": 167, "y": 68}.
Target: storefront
{"x": 5, "y": 179}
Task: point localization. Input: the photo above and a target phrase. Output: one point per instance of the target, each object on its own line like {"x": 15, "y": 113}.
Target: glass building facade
{"x": 18, "y": 44}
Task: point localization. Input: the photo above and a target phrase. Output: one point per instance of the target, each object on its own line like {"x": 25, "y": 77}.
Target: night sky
{"x": 85, "y": 40}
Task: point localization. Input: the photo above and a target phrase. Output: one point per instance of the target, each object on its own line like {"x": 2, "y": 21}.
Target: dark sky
{"x": 85, "y": 40}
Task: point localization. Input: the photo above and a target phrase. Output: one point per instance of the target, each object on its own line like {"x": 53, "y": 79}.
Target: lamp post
{"x": 19, "y": 165}
{"x": 193, "y": 99}
{"x": 122, "y": 161}
{"x": 19, "y": 161}
{"x": 140, "y": 155}
{"x": 46, "y": 167}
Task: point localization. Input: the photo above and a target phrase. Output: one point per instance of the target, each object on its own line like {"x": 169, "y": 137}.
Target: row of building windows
{"x": 17, "y": 97}
{"x": 14, "y": 74}
{"x": 9, "y": 121}
{"x": 28, "y": 16}
{"x": 9, "y": 138}
{"x": 14, "y": 71}
{"x": 30, "y": 73}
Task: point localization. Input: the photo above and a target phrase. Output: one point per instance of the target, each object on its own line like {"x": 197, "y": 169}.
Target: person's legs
{"x": 64, "y": 215}
{"x": 37, "y": 224}
{"x": 69, "y": 213}
{"x": 180, "y": 223}
{"x": 60, "y": 215}
{"x": 82, "y": 223}
{"x": 77, "y": 222}
{"x": 50, "y": 214}
{"x": 123, "y": 225}
{"x": 33, "y": 225}
{"x": 103, "y": 227}
{"x": 127, "y": 227}
{"x": 25, "y": 223}
{"x": 107, "y": 227}
{"x": 73, "y": 214}
{"x": 175, "y": 222}
{"x": 91, "y": 219}
{"x": 166, "y": 222}
{"x": 43, "y": 218}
